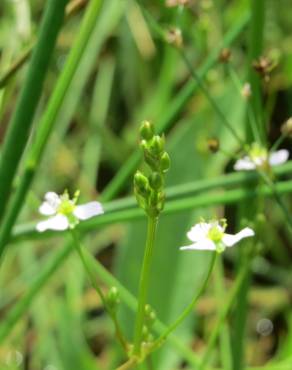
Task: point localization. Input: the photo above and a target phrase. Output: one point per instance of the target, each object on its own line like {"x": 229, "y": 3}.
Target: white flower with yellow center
{"x": 64, "y": 212}
{"x": 211, "y": 236}
{"x": 258, "y": 156}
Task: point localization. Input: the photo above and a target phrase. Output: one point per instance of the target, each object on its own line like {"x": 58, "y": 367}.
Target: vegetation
{"x": 157, "y": 124}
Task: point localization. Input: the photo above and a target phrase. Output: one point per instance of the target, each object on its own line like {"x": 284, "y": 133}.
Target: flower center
{"x": 215, "y": 233}
{"x": 67, "y": 205}
{"x": 258, "y": 152}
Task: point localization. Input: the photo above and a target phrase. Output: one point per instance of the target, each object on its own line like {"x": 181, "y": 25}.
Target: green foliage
{"x": 74, "y": 90}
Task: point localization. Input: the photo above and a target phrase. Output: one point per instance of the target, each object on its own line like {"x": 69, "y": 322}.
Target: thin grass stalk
{"x": 248, "y": 210}
{"x": 47, "y": 122}
{"x": 22, "y": 118}
{"x": 72, "y": 8}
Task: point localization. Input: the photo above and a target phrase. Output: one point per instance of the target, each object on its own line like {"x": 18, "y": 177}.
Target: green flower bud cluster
{"x": 150, "y": 318}
{"x": 149, "y": 189}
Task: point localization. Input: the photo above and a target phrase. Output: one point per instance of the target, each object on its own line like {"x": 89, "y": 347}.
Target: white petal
{"x": 279, "y": 157}
{"x": 58, "y": 222}
{"x": 198, "y": 232}
{"x": 46, "y": 209}
{"x": 53, "y": 199}
{"x": 229, "y": 240}
{"x": 204, "y": 244}
{"x": 244, "y": 164}
{"x": 88, "y": 210}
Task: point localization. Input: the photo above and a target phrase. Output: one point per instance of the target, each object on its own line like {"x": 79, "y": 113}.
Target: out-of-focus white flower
{"x": 211, "y": 236}
{"x": 64, "y": 212}
{"x": 260, "y": 157}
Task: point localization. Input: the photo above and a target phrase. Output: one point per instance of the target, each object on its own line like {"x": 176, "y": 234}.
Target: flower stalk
{"x": 188, "y": 309}
{"x": 149, "y": 192}
{"x": 110, "y": 301}
{"x": 144, "y": 283}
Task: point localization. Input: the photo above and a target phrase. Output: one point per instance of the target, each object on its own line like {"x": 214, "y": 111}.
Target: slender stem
{"x": 251, "y": 116}
{"x": 71, "y": 9}
{"x": 212, "y": 102}
{"x": 129, "y": 364}
{"x": 230, "y": 300}
{"x": 144, "y": 283}
{"x": 188, "y": 309}
{"x": 78, "y": 248}
{"x": 221, "y": 294}
{"x": 22, "y": 118}
{"x": 278, "y": 142}
{"x": 45, "y": 128}
{"x": 270, "y": 183}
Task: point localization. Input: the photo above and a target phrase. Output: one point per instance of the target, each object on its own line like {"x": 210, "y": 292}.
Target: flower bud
{"x": 157, "y": 145}
{"x": 146, "y": 130}
{"x": 113, "y": 298}
{"x": 286, "y": 128}
{"x": 156, "y": 181}
{"x": 141, "y": 183}
{"x": 150, "y": 315}
{"x": 164, "y": 162}
{"x": 225, "y": 55}
{"x": 246, "y": 91}
{"x": 213, "y": 145}
{"x": 174, "y": 37}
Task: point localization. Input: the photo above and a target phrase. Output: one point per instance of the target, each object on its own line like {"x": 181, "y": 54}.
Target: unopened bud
{"x": 173, "y": 3}
{"x": 141, "y": 183}
{"x": 213, "y": 145}
{"x": 150, "y": 315}
{"x": 286, "y": 128}
{"x": 174, "y": 37}
{"x": 225, "y": 55}
{"x": 113, "y": 298}
{"x": 164, "y": 162}
{"x": 156, "y": 181}
{"x": 246, "y": 91}
{"x": 157, "y": 145}
{"x": 146, "y": 130}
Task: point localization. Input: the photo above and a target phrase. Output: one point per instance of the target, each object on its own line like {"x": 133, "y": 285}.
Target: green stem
{"x": 226, "y": 308}
{"x": 225, "y": 342}
{"x": 144, "y": 283}
{"x": 251, "y": 117}
{"x": 128, "y": 365}
{"x": 46, "y": 124}
{"x": 18, "y": 310}
{"x": 188, "y": 309}
{"x": 21, "y": 121}
{"x": 78, "y": 248}
{"x": 19, "y": 62}
{"x": 112, "y": 314}
{"x": 212, "y": 102}
{"x": 256, "y": 40}
{"x": 278, "y": 142}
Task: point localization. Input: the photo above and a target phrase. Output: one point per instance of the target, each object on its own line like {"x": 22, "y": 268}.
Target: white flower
{"x": 212, "y": 236}
{"x": 64, "y": 211}
{"x": 260, "y": 157}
